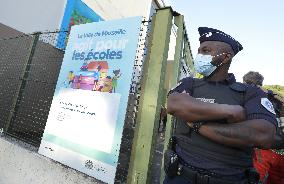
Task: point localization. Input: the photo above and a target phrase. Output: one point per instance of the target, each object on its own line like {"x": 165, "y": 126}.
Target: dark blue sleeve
{"x": 184, "y": 84}
{"x": 258, "y": 106}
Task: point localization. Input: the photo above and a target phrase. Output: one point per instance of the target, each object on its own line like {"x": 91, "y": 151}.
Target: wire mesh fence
{"x": 29, "y": 67}
{"x": 13, "y": 56}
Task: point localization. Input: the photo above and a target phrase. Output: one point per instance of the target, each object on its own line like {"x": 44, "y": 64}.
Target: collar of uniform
{"x": 229, "y": 80}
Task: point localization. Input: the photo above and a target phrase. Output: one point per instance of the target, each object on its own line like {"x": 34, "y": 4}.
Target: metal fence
{"x": 29, "y": 67}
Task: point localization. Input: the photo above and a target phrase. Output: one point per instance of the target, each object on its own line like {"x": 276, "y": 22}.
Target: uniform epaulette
{"x": 197, "y": 82}
{"x": 240, "y": 87}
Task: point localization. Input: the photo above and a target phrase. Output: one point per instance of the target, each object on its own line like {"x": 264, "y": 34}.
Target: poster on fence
{"x": 86, "y": 118}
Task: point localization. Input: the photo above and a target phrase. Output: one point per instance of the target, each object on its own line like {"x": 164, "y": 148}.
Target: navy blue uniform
{"x": 200, "y": 152}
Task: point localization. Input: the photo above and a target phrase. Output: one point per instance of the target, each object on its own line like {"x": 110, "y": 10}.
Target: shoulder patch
{"x": 267, "y": 105}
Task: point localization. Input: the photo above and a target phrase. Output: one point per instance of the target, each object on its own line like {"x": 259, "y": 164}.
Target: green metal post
{"x": 151, "y": 97}
{"x": 173, "y": 77}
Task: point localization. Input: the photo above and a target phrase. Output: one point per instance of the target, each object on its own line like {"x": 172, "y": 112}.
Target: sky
{"x": 257, "y": 24}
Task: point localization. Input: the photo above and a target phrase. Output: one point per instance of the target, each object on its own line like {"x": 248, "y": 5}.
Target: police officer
{"x": 219, "y": 121}
{"x": 270, "y": 163}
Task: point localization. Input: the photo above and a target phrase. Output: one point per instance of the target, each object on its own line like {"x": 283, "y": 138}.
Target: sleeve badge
{"x": 267, "y": 105}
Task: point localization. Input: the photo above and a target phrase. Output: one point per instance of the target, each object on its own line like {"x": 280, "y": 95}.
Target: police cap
{"x": 210, "y": 34}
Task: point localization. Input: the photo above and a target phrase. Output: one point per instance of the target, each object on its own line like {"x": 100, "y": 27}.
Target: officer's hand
{"x": 236, "y": 114}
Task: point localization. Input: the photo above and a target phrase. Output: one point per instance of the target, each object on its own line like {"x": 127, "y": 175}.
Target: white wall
{"x": 39, "y": 15}
{"x": 114, "y": 9}
{"x": 32, "y": 15}
{"x": 19, "y": 165}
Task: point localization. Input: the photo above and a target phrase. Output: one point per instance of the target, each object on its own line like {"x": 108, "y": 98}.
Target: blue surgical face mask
{"x": 203, "y": 65}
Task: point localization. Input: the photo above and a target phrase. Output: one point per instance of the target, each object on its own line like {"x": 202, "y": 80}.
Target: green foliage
{"x": 276, "y": 89}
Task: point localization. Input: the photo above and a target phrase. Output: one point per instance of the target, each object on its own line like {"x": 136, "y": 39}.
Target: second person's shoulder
{"x": 254, "y": 90}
